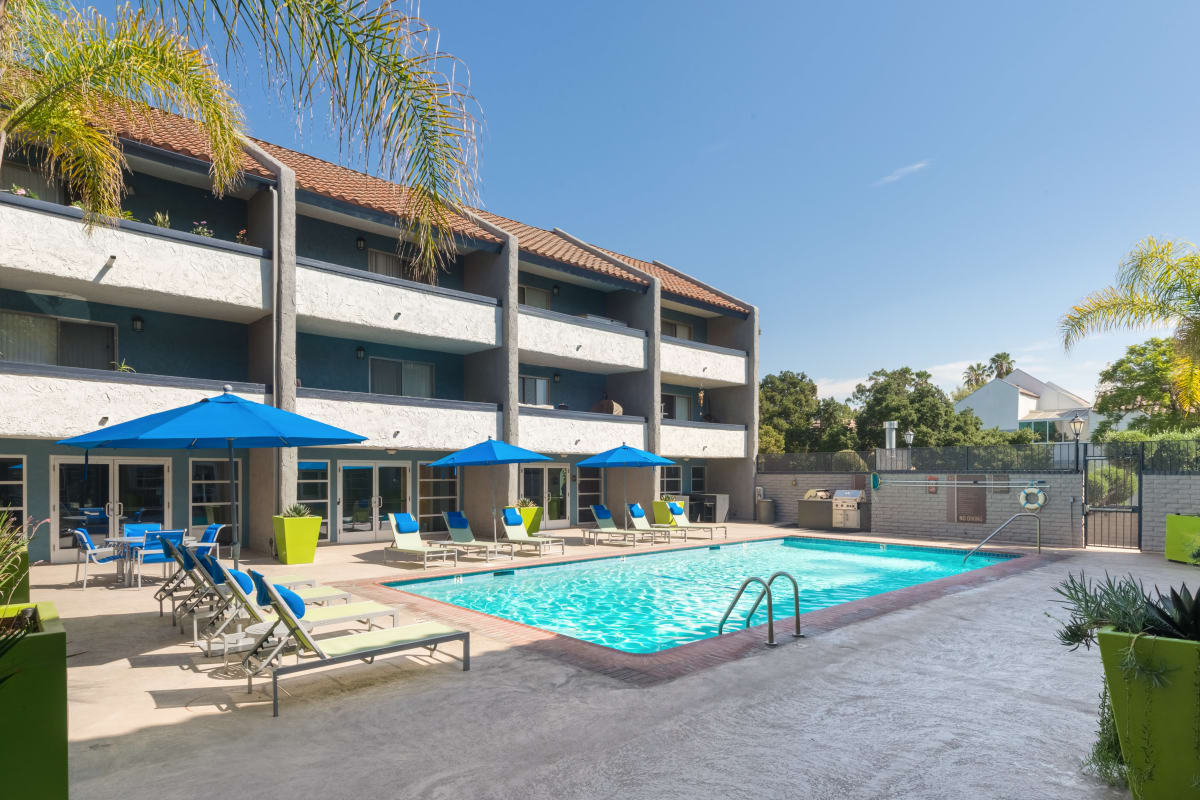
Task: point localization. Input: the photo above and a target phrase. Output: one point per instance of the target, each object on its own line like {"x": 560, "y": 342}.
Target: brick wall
{"x": 1162, "y": 495}
{"x": 786, "y": 489}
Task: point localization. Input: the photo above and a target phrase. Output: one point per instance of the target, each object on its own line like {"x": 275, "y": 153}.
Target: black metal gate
{"x": 1112, "y": 494}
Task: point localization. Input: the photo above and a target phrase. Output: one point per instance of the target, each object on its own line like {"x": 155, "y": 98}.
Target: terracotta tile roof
{"x": 681, "y": 285}
{"x": 549, "y": 244}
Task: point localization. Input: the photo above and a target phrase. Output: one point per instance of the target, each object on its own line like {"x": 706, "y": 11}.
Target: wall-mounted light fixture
{"x": 360, "y": 352}
{"x": 138, "y": 324}
{"x": 557, "y": 377}
{"x": 360, "y": 243}
{"x": 554, "y": 290}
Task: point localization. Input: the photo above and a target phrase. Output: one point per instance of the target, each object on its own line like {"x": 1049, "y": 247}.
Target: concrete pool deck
{"x": 964, "y": 694}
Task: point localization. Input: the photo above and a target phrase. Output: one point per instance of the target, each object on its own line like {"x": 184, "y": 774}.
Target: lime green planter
{"x": 1183, "y": 538}
{"x": 33, "y": 705}
{"x": 19, "y": 586}
{"x": 296, "y": 539}
{"x": 1156, "y": 725}
{"x": 532, "y": 517}
{"x": 662, "y": 514}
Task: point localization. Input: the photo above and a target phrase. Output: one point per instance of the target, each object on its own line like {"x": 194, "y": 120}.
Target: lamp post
{"x": 908, "y": 440}
{"x": 1077, "y": 428}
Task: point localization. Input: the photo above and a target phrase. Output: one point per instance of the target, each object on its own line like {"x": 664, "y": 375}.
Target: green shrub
{"x": 1111, "y": 486}
{"x": 848, "y": 461}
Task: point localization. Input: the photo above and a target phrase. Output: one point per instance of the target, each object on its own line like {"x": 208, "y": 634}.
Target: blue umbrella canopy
{"x": 487, "y": 453}
{"x": 625, "y": 456}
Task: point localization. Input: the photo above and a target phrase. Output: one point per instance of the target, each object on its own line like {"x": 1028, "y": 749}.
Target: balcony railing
{"x": 553, "y": 431}
{"x": 690, "y": 363}
{"x": 403, "y": 423}
{"x": 683, "y": 438}
{"x": 551, "y": 339}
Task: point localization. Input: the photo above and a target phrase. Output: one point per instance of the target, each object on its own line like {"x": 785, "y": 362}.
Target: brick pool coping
{"x": 648, "y": 669}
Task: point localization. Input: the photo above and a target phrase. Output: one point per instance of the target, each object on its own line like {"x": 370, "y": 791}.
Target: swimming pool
{"x": 647, "y": 602}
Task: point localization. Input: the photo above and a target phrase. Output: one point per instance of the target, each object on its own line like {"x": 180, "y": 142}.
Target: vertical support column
{"x": 737, "y": 404}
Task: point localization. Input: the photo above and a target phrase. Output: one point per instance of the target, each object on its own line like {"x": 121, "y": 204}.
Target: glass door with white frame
{"x": 103, "y": 496}
{"x": 549, "y": 486}
{"x": 368, "y": 492}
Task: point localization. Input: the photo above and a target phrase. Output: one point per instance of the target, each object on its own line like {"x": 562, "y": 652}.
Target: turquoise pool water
{"x": 643, "y": 603}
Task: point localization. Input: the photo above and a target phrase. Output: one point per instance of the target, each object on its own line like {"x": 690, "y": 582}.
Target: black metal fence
{"x": 1051, "y": 457}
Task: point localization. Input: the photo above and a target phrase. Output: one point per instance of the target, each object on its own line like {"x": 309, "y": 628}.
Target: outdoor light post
{"x": 908, "y": 440}
{"x": 1077, "y": 428}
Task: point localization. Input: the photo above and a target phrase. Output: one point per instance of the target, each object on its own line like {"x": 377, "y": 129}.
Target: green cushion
{"x": 383, "y": 637}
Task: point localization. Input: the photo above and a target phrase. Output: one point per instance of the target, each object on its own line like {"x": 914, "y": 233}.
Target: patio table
{"x": 128, "y": 545}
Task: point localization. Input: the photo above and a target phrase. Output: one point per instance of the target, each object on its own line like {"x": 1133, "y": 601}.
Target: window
{"x": 32, "y": 180}
{"x": 529, "y": 296}
{"x": 210, "y": 493}
{"x": 12, "y": 487}
{"x": 437, "y": 492}
{"x": 407, "y": 378}
{"x": 312, "y": 489}
{"x": 676, "y": 406}
{"x": 534, "y": 391}
{"x": 699, "y": 479}
{"x": 590, "y": 491}
{"x": 37, "y": 339}
{"x": 670, "y": 480}
{"x": 382, "y": 262}
{"x": 679, "y": 330}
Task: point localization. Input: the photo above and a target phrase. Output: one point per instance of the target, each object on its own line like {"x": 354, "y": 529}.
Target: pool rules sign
{"x": 967, "y": 503}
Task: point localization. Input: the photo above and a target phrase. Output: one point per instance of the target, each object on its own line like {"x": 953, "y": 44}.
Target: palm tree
{"x": 976, "y": 375}
{"x": 1157, "y": 284}
{"x": 63, "y": 74}
{"x": 1001, "y": 364}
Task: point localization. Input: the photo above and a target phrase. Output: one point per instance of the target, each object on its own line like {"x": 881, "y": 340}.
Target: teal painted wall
{"x": 699, "y": 324}
{"x": 579, "y": 390}
{"x": 327, "y": 241}
{"x": 172, "y": 344}
{"x": 186, "y": 205}
{"x": 571, "y": 299}
{"x": 323, "y": 362}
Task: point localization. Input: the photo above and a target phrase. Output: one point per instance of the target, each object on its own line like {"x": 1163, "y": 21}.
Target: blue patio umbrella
{"x": 225, "y": 421}
{"x": 629, "y": 457}
{"x": 486, "y": 454}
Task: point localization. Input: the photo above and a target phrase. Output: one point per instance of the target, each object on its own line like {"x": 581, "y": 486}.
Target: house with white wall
{"x": 1019, "y": 400}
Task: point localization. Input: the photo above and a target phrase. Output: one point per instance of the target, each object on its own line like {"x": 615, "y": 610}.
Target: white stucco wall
{"x": 45, "y": 251}
{"x": 707, "y": 442}
{"x": 40, "y": 407}
{"x": 343, "y": 306}
{"x": 404, "y": 427}
{"x": 995, "y": 403}
{"x": 559, "y": 343}
{"x": 696, "y": 366}
{"x": 569, "y": 434}
{"x": 1025, "y": 404}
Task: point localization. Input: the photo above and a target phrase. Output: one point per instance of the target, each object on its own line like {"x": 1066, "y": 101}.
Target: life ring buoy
{"x": 1032, "y": 498}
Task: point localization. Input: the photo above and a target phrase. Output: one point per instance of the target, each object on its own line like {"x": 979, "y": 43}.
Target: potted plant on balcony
{"x": 662, "y": 510}
{"x": 296, "y": 532}
{"x": 531, "y": 514}
{"x": 33, "y": 680}
{"x": 1150, "y": 649}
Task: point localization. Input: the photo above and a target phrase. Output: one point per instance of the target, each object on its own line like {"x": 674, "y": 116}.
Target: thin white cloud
{"x": 903, "y": 172}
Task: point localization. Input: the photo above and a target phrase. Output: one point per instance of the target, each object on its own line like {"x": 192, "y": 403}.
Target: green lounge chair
{"x": 679, "y": 521}
{"x": 516, "y": 535}
{"x": 463, "y": 538}
{"x": 289, "y": 610}
{"x": 605, "y": 525}
{"x": 637, "y": 516}
{"x": 406, "y": 540}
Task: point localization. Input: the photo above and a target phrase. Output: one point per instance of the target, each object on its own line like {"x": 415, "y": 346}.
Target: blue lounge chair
{"x": 152, "y": 552}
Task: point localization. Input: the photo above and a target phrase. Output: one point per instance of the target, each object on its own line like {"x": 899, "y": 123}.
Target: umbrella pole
{"x": 492, "y": 495}
{"x": 237, "y": 540}
{"x": 625, "y": 497}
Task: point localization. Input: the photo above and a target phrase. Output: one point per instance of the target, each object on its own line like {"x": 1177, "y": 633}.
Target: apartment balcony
{"x": 345, "y": 302}
{"x": 552, "y": 431}
{"x": 688, "y": 363}
{"x": 44, "y": 247}
{"x": 550, "y": 339}
{"x": 682, "y": 439}
{"x": 402, "y": 423}
{"x": 39, "y": 401}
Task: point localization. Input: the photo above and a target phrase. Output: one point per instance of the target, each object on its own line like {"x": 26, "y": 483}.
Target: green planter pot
{"x": 1156, "y": 725}
{"x": 662, "y": 514}
{"x": 296, "y": 539}
{"x": 33, "y": 705}
{"x": 20, "y": 585}
{"x": 1183, "y": 537}
{"x": 532, "y": 517}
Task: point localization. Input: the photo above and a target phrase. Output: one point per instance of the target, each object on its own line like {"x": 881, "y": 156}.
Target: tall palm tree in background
{"x": 1157, "y": 284}
{"x": 389, "y": 96}
{"x": 976, "y": 375}
{"x": 1000, "y": 365}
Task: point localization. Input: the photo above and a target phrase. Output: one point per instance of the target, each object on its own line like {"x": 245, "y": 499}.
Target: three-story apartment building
{"x": 290, "y": 290}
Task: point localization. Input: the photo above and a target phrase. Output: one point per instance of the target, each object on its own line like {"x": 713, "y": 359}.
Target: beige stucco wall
{"x": 45, "y": 251}
{"x": 707, "y": 442}
{"x": 343, "y": 306}
{"x": 404, "y": 427}
{"x": 691, "y": 365}
{"x": 570, "y": 434}
{"x": 552, "y": 342}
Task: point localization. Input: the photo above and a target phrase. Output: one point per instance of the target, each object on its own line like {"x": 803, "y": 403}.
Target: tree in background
{"x": 1000, "y": 365}
{"x": 976, "y": 375}
{"x": 1158, "y": 283}
{"x": 1142, "y": 382}
{"x": 908, "y": 397}
{"x": 835, "y": 427}
{"x": 787, "y": 403}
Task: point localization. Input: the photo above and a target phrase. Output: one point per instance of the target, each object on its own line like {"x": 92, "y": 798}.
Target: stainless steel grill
{"x": 846, "y": 512}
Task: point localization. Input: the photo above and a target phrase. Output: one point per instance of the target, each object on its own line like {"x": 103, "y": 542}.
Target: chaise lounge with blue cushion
{"x": 606, "y": 526}
{"x": 637, "y": 516}
{"x": 516, "y": 535}
{"x": 680, "y": 522}
{"x": 463, "y": 538}
{"x": 406, "y": 540}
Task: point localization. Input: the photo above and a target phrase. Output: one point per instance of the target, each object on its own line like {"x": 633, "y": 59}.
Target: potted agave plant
{"x": 33, "y": 680}
{"x": 531, "y": 514}
{"x": 296, "y": 533}
{"x": 1150, "y": 648}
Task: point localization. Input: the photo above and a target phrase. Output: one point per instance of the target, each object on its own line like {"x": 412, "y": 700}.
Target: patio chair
{"x": 208, "y": 539}
{"x": 406, "y": 540}
{"x": 463, "y": 538}
{"x": 679, "y": 521}
{"x": 186, "y": 583}
{"x": 637, "y": 517}
{"x": 605, "y": 525}
{"x": 90, "y": 554}
{"x": 367, "y": 646}
{"x": 515, "y": 534}
{"x": 152, "y": 551}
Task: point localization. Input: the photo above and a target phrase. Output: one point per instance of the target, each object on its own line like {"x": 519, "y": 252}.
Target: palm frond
{"x": 1167, "y": 270}
{"x": 1116, "y": 307}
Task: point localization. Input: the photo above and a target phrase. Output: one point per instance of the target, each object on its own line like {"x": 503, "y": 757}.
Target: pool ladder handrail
{"x": 766, "y": 590}
{"x": 1005, "y": 525}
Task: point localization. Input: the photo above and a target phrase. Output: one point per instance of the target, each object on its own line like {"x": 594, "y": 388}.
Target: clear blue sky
{"x": 1029, "y": 147}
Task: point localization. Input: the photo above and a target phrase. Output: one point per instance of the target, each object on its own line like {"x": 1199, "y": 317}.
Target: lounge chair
{"x": 606, "y": 526}
{"x": 637, "y": 516}
{"x": 463, "y": 538}
{"x": 679, "y": 521}
{"x": 290, "y": 612}
{"x": 406, "y": 540}
{"x": 516, "y": 535}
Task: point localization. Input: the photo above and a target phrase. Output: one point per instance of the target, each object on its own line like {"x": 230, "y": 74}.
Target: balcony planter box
{"x": 33, "y": 705}
{"x": 296, "y": 539}
{"x": 1156, "y": 725}
{"x": 532, "y": 517}
{"x": 662, "y": 514}
{"x": 1183, "y": 538}
{"x": 20, "y": 592}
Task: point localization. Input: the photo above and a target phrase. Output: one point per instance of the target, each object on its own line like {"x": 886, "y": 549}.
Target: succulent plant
{"x": 297, "y": 510}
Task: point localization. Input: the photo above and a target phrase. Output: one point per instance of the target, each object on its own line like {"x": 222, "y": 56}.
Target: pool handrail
{"x": 770, "y": 608}
{"x": 795, "y": 601}
{"x": 1005, "y": 525}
